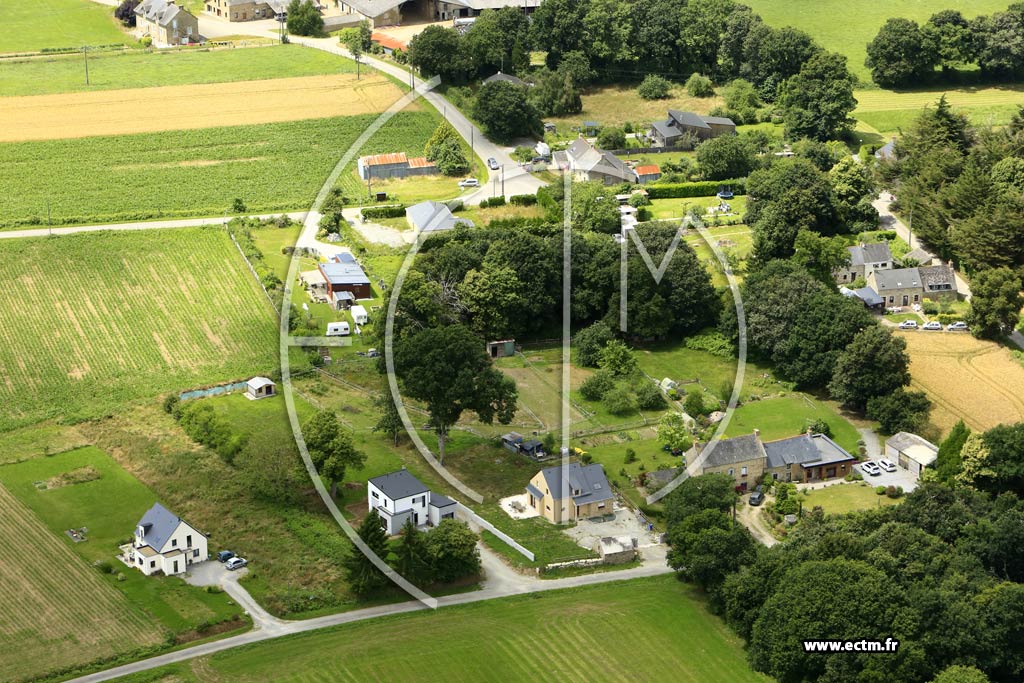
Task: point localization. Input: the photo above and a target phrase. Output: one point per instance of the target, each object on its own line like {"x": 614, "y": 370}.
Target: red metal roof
{"x": 383, "y": 159}
{"x": 647, "y": 170}
{"x": 420, "y": 162}
{"x": 384, "y": 40}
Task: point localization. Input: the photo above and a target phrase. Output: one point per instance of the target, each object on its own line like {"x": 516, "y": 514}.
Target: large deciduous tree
{"x": 448, "y": 369}
{"x": 995, "y": 302}
{"x": 304, "y": 18}
{"x": 505, "y": 112}
{"x": 901, "y": 54}
{"x": 331, "y": 448}
{"x": 725, "y": 157}
{"x": 437, "y": 51}
{"x": 874, "y": 364}
{"x": 816, "y": 102}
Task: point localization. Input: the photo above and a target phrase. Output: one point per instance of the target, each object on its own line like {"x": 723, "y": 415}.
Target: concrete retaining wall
{"x": 483, "y": 523}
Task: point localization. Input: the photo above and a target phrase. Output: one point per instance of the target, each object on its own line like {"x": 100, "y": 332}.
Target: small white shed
{"x": 360, "y": 315}
{"x": 339, "y": 329}
{"x": 259, "y": 387}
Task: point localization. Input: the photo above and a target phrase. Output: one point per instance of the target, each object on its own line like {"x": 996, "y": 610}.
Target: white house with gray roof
{"x": 431, "y": 216}
{"x": 588, "y": 163}
{"x": 163, "y": 542}
{"x": 399, "y": 496}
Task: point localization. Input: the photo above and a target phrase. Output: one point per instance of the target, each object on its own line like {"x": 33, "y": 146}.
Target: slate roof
{"x": 861, "y": 254}
{"x": 886, "y": 151}
{"x": 666, "y": 129}
{"x": 932, "y": 276}
{"x": 344, "y": 273}
{"x": 162, "y": 12}
{"x": 505, "y": 77}
{"x": 585, "y": 157}
{"x": 869, "y": 296}
{"x": 806, "y": 450}
{"x": 687, "y": 118}
{"x": 589, "y": 480}
{"x": 373, "y": 8}
{"x": 899, "y": 278}
{"x": 432, "y": 216}
{"x": 734, "y": 450}
{"x": 157, "y": 526}
{"x": 719, "y": 120}
{"x": 399, "y": 484}
{"x": 439, "y": 501}
{"x": 920, "y": 255}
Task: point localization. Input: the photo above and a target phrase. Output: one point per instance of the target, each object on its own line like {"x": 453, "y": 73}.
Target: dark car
{"x": 756, "y": 498}
{"x": 224, "y": 555}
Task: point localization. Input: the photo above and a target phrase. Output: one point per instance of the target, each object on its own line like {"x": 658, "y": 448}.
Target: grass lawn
{"x": 676, "y": 208}
{"x": 114, "y": 70}
{"x": 271, "y": 167}
{"x": 109, "y": 507}
{"x": 31, "y": 26}
{"x": 136, "y": 314}
{"x": 842, "y": 498}
{"x": 847, "y": 27}
{"x": 888, "y": 113}
{"x": 695, "y": 368}
{"x": 614, "y": 105}
{"x": 37, "y": 441}
{"x": 635, "y": 631}
{"x": 779, "y": 418}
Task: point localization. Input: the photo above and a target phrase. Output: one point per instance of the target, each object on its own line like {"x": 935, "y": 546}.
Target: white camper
{"x": 338, "y": 329}
{"x": 360, "y": 315}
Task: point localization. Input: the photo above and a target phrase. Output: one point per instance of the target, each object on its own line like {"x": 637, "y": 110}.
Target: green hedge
{"x": 704, "y": 188}
{"x": 493, "y": 201}
{"x": 383, "y": 212}
{"x": 523, "y": 199}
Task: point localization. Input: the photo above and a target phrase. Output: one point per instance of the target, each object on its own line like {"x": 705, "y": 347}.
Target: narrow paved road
{"x": 144, "y": 225}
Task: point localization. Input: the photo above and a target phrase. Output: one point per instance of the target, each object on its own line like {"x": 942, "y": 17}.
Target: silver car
{"x": 235, "y": 563}
{"x": 870, "y": 468}
{"x": 887, "y": 465}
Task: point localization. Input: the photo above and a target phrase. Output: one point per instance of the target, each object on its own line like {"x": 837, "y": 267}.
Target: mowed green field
{"x": 847, "y": 26}
{"x": 31, "y": 25}
{"x": 55, "y": 610}
{"x": 891, "y": 112}
{"x": 643, "y": 630}
{"x": 90, "y": 322}
{"x": 115, "y": 70}
{"x": 271, "y": 167}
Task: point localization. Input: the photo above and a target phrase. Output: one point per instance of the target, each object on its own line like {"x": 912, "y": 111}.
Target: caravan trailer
{"x": 338, "y": 329}
{"x": 359, "y": 315}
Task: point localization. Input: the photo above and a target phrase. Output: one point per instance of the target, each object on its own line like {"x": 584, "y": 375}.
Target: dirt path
{"x": 750, "y": 517}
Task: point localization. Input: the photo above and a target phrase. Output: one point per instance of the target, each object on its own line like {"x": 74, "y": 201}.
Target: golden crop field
{"x": 55, "y": 610}
{"x": 966, "y": 378}
{"x": 183, "y": 107}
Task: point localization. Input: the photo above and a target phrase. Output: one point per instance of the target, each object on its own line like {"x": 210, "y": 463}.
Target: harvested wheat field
{"x": 147, "y": 110}
{"x": 966, "y": 378}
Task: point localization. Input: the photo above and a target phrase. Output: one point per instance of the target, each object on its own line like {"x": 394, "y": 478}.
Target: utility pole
{"x": 49, "y": 225}
{"x": 85, "y": 54}
{"x": 503, "y": 180}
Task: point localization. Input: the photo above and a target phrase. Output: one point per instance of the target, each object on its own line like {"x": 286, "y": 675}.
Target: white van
{"x": 359, "y": 314}
{"x": 338, "y": 329}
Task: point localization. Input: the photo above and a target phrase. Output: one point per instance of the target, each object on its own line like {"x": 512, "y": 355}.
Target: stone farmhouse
{"x": 588, "y": 163}
{"x": 749, "y": 460}
{"x": 670, "y": 132}
{"x": 864, "y": 258}
{"x": 246, "y": 10}
{"x": 166, "y": 23}
{"x": 909, "y": 286}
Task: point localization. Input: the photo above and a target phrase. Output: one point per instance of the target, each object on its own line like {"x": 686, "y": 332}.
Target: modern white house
{"x": 163, "y": 542}
{"x": 259, "y": 387}
{"x": 399, "y": 496}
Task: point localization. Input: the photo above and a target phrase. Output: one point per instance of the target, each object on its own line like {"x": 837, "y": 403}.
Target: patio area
{"x": 518, "y": 507}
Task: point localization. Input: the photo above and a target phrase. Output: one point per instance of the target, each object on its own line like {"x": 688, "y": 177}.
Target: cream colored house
{"x": 246, "y": 10}
{"x": 166, "y": 23}
{"x": 565, "y": 494}
{"x": 163, "y": 542}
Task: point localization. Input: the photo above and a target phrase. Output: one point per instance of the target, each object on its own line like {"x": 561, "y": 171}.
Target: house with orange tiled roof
{"x": 387, "y": 43}
{"x": 395, "y": 165}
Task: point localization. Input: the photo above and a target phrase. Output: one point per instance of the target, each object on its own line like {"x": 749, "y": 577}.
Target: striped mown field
{"x": 642, "y": 630}
{"x": 91, "y": 322}
{"x": 55, "y": 610}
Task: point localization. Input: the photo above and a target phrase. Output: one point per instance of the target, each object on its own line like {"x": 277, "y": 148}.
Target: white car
{"x": 894, "y": 309}
{"x": 957, "y": 327}
{"x": 908, "y": 325}
{"x": 870, "y": 468}
{"x": 887, "y": 465}
{"x": 469, "y": 182}
{"x": 932, "y": 325}
{"x": 235, "y": 563}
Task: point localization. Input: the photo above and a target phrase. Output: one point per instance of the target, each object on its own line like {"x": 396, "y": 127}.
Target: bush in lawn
{"x": 125, "y": 12}
{"x": 597, "y": 385}
{"x": 104, "y": 567}
{"x": 894, "y": 491}
{"x": 203, "y": 425}
{"x": 654, "y": 87}
{"x": 445, "y": 149}
{"x": 711, "y": 341}
{"x": 619, "y": 401}
{"x": 699, "y": 86}
{"x": 820, "y": 426}
{"x": 238, "y": 206}
{"x": 589, "y": 342}
{"x": 618, "y": 359}
{"x": 611, "y": 138}
{"x": 304, "y": 18}
{"x": 648, "y": 397}
{"x": 170, "y": 402}
{"x": 639, "y": 200}
{"x": 375, "y": 212}
{"x": 694, "y": 404}
{"x": 880, "y": 490}
{"x": 630, "y": 459}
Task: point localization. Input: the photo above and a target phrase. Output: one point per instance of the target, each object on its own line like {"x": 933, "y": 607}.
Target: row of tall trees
{"x": 905, "y": 53}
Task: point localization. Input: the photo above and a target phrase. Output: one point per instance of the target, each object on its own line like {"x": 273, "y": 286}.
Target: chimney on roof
{"x": 757, "y": 432}
{"x": 810, "y": 431}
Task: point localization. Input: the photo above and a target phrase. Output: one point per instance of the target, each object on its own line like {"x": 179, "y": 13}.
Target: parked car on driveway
{"x": 908, "y": 325}
{"x": 960, "y": 326}
{"x": 224, "y": 555}
{"x": 932, "y": 325}
{"x": 756, "y": 498}
{"x": 894, "y": 309}
{"x": 469, "y": 182}
{"x": 870, "y": 468}
{"x": 887, "y": 465}
{"x": 492, "y": 164}
{"x": 235, "y": 563}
